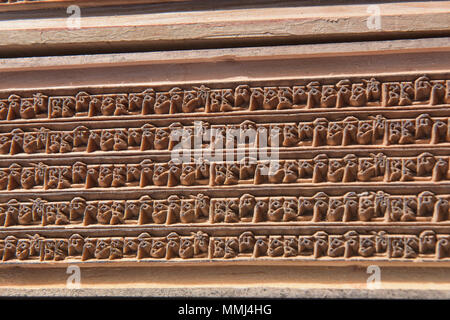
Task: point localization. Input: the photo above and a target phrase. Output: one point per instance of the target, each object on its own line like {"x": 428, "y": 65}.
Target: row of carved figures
{"x": 200, "y": 245}
{"x": 363, "y": 207}
{"x": 375, "y": 168}
{"x": 241, "y": 98}
{"x": 320, "y": 132}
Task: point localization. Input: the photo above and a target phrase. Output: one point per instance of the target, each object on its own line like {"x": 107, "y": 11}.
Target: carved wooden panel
{"x": 361, "y": 172}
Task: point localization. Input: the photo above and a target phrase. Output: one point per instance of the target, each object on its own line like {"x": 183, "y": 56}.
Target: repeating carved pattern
{"x": 314, "y": 95}
{"x": 321, "y": 132}
{"x": 200, "y": 245}
{"x": 54, "y": 165}
{"x": 351, "y": 168}
{"x": 363, "y": 207}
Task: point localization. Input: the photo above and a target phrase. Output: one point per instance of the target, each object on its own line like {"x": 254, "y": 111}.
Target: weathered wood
{"x": 221, "y": 28}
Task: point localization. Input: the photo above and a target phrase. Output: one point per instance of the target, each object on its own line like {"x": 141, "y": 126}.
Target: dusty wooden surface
{"x": 116, "y": 32}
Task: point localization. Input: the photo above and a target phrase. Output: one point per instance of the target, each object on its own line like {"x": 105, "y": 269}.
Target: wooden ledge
{"x": 226, "y": 66}
{"x": 219, "y": 28}
{"x": 279, "y": 282}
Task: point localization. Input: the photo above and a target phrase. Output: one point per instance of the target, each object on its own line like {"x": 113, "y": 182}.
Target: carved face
{"x": 334, "y": 171}
{"x": 231, "y": 211}
{"x": 219, "y": 247}
{"x": 89, "y": 249}
{"x": 334, "y": 135}
{"x": 108, "y": 106}
{"x": 427, "y": 242}
{"x": 366, "y": 209}
{"x": 107, "y": 140}
{"x": 246, "y": 205}
{"x": 91, "y": 212}
{"x": 186, "y": 248}
{"x": 25, "y": 214}
{"x": 159, "y": 214}
{"x": 261, "y": 209}
{"x": 131, "y": 209}
{"x": 161, "y": 139}
{"x": 276, "y": 247}
{"x": 443, "y": 247}
{"x": 187, "y": 213}
{"x": 425, "y": 164}
{"x": 242, "y": 95}
{"x": 133, "y": 173}
{"x": 77, "y": 207}
{"x": 3, "y": 110}
{"x": 23, "y": 249}
{"x": 119, "y": 176}
{"x": 202, "y": 205}
{"x": 116, "y": 250}
{"x": 337, "y": 246}
{"x": 305, "y": 169}
{"x": 246, "y": 242}
{"x": 120, "y": 140}
{"x": 35, "y": 245}
{"x": 423, "y": 126}
{"x": 261, "y": 247}
{"x": 187, "y": 177}
{"x": 76, "y": 243}
{"x": 365, "y": 131}
{"x": 305, "y": 131}
{"x": 49, "y": 250}
{"x": 5, "y": 143}
{"x": 411, "y": 247}
{"x": 82, "y": 102}
{"x": 396, "y": 248}
{"x": 367, "y": 246}
{"x": 105, "y": 175}
{"x": 146, "y": 208}
{"x": 68, "y": 108}
{"x": 201, "y": 242}
{"x": 27, "y": 178}
{"x": 336, "y": 210}
{"x": 367, "y": 169}
{"x": 145, "y": 247}
{"x": 358, "y": 97}
{"x": 306, "y": 245}
{"x": 276, "y": 210}
{"x": 290, "y": 134}
{"x": 130, "y": 246}
{"x": 160, "y": 175}
{"x": 104, "y": 212}
{"x": 173, "y": 246}
{"x": 290, "y": 246}
{"x": 103, "y": 249}
{"x": 117, "y": 212}
{"x": 56, "y": 108}
{"x": 351, "y": 205}
{"x": 299, "y": 94}
{"x": 306, "y": 206}
{"x": 290, "y": 172}
{"x": 79, "y": 172}
{"x": 290, "y": 209}
{"x": 328, "y": 98}
{"x": 61, "y": 249}
{"x": 409, "y": 208}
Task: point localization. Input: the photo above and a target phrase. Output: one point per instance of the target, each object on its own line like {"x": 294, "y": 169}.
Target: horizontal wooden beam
{"x": 226, "y": 66}
{"x": 112, "y": 31}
